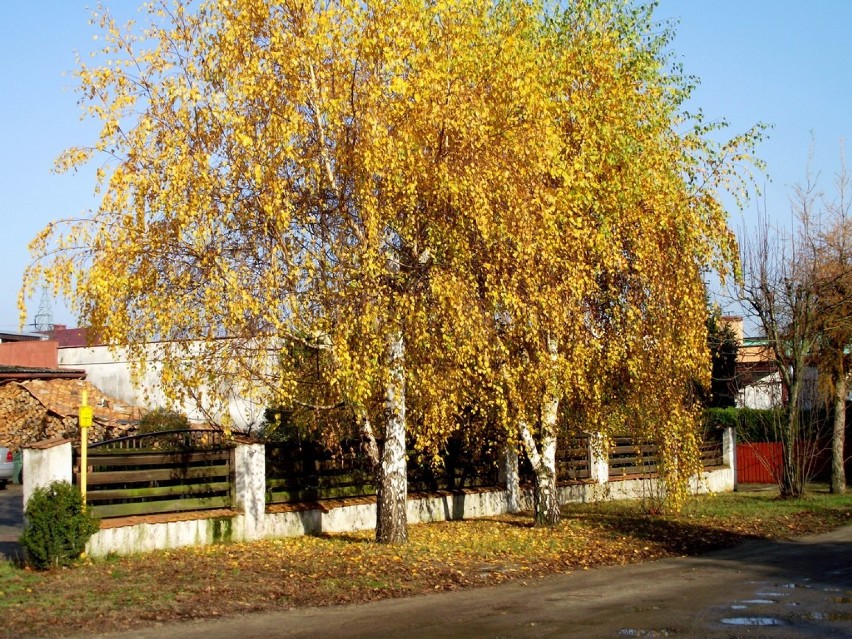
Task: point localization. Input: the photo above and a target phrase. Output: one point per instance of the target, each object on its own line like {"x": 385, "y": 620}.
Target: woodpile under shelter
{"x": 42, "y": 403}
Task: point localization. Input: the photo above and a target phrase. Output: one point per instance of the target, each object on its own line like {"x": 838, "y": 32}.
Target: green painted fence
{"x": 154, "y": 473}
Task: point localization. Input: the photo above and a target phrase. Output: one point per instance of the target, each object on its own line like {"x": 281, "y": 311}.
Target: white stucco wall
{"x": 763, "y": 394}
{"x": 44, "y": 464}
{"x": 766, "y": 392}
{"x": 110, "y": 371}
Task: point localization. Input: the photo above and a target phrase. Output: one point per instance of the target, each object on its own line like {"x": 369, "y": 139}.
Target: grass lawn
{"x": 123, "y": 592}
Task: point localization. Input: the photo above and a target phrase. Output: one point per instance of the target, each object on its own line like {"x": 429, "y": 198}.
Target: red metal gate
{"x": 759, "y": 463}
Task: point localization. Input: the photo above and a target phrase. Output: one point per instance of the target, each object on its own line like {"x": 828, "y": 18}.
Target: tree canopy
{"x": 444, "y": 196}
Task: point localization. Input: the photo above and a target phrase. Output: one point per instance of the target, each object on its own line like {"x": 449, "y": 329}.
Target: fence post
{"x": 598, "y": 459}
{"x": 46, "y": 462}
{"x": 729, "y": 448}
{"x": 250, "y": 487}
{"x": 729, "y": 451}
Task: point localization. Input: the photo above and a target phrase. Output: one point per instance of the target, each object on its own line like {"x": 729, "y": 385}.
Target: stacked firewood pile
{"x": 36, "y": 410}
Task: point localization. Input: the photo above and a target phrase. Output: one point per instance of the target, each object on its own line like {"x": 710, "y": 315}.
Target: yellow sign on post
{"x": 85, "y": 415}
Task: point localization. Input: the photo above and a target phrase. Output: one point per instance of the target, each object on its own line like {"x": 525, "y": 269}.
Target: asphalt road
{"x": 11, "y": 520}
{"x": 760, "y": 589}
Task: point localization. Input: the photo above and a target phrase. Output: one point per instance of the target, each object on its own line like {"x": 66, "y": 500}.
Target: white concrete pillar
{"x": 45, "y": 463}
{"x": 598, "y": 459}
{"x": 250, "y": 487}
{"x": 729, "y": 447}
{"x": 729, "y": 453}
{"x": 509, "y": 476}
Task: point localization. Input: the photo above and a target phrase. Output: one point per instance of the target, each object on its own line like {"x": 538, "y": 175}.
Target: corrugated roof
{"x": 11, "y": 336}
{"x": 62, "y": 397}
{"x": 29, "y": 372}
{"x": 7, "y": 336}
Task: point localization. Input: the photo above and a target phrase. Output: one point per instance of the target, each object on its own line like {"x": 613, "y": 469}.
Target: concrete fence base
{"x": 252, "y": 520}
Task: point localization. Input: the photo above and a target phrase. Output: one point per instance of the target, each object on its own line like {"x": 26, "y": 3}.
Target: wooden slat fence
{"x": 711, "y": 453}
{"x": 297, "y": 472}
{"x": 155, "y": 473}
{"x": 573, "y": 459}
{"x": 462, "y": 465}
{"x": 307, "y": 472}
{"x": 179, "y": 471}
{"x": 629, "y": 457}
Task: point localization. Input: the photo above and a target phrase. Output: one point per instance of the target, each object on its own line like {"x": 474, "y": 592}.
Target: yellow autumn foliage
{"x": 483, "y": 178}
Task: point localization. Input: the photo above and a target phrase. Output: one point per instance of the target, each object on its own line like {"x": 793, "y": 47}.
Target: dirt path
{"x": 762, "y": 588}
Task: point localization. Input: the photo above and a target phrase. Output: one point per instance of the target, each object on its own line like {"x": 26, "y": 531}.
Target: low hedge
{"x": 751, "y": 424}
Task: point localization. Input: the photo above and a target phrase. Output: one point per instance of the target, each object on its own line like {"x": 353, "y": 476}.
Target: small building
{"x": 36, "y": 405}
{"x": 758, "y": 380}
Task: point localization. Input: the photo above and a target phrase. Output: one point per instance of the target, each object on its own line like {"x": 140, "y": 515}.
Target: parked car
{"x": 7, "y": 466}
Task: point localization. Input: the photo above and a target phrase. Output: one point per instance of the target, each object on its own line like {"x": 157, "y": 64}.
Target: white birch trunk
{"x": 545, "y": 498}
{"x": 545, "y": 495}
{"x": 598, "y": 459}
{"x": 392, "y": 480}
{"x": 370, "y": 445}
{"x": 547, "y": 513}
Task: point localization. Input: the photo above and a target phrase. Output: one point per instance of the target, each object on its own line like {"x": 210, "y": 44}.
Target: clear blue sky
{"x": 783, "y": 62}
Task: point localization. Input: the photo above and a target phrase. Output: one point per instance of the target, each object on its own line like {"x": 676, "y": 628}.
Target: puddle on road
{"x": 752, "y": 621}
{"x": 825, "y": 616}
{"x": 637, "y": 632}
{"x": 743, "y": 604}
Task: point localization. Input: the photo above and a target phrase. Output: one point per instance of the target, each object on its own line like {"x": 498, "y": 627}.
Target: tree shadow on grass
{"x": 675, "y": 537}
{"x": 347, "y": 537}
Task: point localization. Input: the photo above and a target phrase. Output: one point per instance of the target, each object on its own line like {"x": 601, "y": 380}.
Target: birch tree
{"x": 598, "y": 301}
{"x": 305, "y": 173}
{"x": 427, "y": 192}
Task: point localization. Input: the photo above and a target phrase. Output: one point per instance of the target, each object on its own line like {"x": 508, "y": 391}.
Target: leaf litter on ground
{"x": 118, "y": 593}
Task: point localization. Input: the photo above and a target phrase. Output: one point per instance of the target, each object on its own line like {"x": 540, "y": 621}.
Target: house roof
{"x": 18, "y": 373}
{"x": 7, "y": 336}
{"x": 73, "y": 337}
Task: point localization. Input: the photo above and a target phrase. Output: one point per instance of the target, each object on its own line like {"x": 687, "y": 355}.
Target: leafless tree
{"x": 798, "y": 284}
{"x": 777, "y": 286}
{"x": 832, "y": 250}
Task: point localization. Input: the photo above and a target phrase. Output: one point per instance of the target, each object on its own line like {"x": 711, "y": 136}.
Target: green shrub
{"x": 753, "y": 425}
{"x": 57, "y": 526}
{"x": 162, "y": 419}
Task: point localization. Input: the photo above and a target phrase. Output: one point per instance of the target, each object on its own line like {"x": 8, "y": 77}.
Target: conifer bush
{"x": 57, "y": 526}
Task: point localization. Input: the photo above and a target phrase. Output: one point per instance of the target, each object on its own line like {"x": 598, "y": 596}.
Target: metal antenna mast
{"x": 44, "y": 318}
